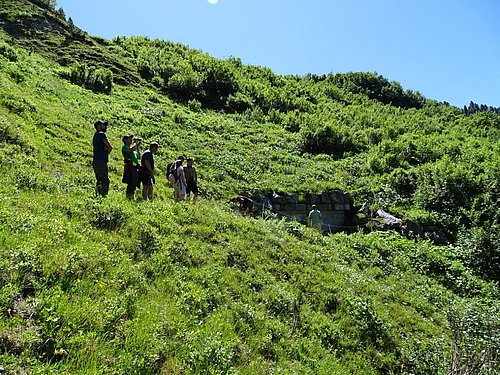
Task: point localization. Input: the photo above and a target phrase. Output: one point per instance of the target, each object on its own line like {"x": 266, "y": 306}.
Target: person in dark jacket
{"x": 101, "y": 147}
{"x": 191, "y": 179}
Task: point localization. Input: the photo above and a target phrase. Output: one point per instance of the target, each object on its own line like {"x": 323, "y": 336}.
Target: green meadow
{"x": 92, "y": 285}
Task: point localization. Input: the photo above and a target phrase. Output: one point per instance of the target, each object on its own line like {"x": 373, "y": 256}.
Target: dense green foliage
{"x": 97, "y": 80}
{"x": 98, "y": 286}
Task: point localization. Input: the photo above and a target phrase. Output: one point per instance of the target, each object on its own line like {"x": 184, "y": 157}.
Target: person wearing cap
{"x": 191, "y": 179}
{"x": 148, "y": 167}
{"x": 101, "y": 149}
{"x": 314, "y": 219}
{"x": 131, "y": 153}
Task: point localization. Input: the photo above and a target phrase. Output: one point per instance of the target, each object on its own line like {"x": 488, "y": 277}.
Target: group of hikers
{"x": 139, "y": 167}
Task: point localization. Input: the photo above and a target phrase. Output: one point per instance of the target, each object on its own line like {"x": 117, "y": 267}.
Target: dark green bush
{"x": 239, "y": 102}
{"x": 219, "y": 80}
{"x": 8, "y": 133}
{"x": 8, "y": 52}
{"x": 104, "y": 217}
{"x": 379, "y": 88}
{"x": 99, "y": 80}
{"x": 185, "y": 85}
{"x": 327, "y": 139}
{"x": 446, "y": 187}
{"x": 480, "y": 250}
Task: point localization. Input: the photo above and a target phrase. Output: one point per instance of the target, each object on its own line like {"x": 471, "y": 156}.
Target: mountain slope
{"x": 94, "y": 285}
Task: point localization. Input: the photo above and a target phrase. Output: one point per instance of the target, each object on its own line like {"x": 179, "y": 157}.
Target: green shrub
{"x": 327, "y": 139}
{"x": 8, "y": 52}
{"x": 49, "y": 4}
{"x": 8, "y": 133}
{"x": 184, "y": 85}
{"x": 239, "y": 102}
{"x": 103, "y": 216}
{"x": 194, "y": 105}
{"x": 446, "y": 187}
{"x": 99, "y": 80}
{"x": 379, "y": 88}
{"x": 480, "y": 250}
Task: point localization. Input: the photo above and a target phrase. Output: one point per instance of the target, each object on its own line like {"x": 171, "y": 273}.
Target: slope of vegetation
{"x": 98, "y": 286}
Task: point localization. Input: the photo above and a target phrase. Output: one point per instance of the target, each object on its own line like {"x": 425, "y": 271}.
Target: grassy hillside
{"x": 98, "y": 286}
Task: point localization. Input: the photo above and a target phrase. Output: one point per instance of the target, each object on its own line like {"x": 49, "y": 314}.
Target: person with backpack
{"x": 131, "y": 154}
{"x": 101, "y": 149}
{"x": 172, "y": 170}
{"x": 179, "y": 181}
{"x": 148, "y": 167}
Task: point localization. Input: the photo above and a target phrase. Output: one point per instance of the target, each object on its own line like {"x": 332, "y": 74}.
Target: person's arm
{"x": 137, "y": 145}
{"x": 107, "y": 145}
{"x": 183, "y": 177}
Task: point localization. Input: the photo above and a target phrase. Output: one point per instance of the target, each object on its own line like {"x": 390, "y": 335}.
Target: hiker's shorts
{"x": 192, "y": 187}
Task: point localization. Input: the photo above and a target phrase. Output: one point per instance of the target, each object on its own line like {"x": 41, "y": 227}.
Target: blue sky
{"x": 449, "y": 50}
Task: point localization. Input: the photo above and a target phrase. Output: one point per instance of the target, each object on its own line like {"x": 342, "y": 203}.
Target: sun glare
{"x": 213, "y": 1}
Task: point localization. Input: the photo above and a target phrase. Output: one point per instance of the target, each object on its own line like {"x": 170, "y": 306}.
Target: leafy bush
{"x": 379, "y": 88}
{"x": 99, "y": 80}
{"x": 444, "y": 188}
{"x": 185, "y": 85}
{"x": 219, "y": 81}
{"x": 8, "y": 133}
{"x": 104, "y": 216}
{"x": 480, "y": 250}
{"x": 327, "y": 139}
{"x": 239, "y": 102}
{"x": 8, "y": 52}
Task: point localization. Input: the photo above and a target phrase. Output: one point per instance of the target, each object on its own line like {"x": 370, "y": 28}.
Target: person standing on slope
{"x": 131, "y": 154}
{"x": 191, "y": 179}
{"x": 101, "y": 147}
{"x": 314, "y": 219}
{"x": 180, "y": 182}
{"x": 148, "y": 167}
